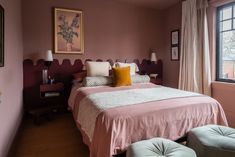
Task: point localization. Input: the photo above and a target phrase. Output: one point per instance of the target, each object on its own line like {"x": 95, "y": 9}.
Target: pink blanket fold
{"x": 117, "y": 128}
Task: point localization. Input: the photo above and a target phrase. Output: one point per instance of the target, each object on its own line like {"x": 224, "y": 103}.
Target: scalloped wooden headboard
{"x": 63, "y": 73}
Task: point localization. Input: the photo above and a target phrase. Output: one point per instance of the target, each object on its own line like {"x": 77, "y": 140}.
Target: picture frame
{"x": 175, "y": 37}
{"x": 68, "y": 31}
{"x": 1, "y": 36}
{"x": 174, "y": 53}
{"x": 175, "y": 44}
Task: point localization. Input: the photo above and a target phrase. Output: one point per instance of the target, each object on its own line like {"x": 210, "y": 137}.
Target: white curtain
{"x": 195, "y": 73}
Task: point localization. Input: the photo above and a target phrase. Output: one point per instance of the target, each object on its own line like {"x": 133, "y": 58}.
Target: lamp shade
{"x": 153, "y": 57}
{"x": 49, "y": 56}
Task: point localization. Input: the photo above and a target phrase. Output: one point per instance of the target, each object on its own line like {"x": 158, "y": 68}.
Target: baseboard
{"x": 12, "y": 142}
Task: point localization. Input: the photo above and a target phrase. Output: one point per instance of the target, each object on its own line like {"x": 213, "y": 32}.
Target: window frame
{"x": 218, "y": 54}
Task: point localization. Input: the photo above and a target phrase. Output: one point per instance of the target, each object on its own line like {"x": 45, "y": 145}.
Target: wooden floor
{"x": 56, "y": 138}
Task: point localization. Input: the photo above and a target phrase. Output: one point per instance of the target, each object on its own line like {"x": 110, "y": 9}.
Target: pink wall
{"x": 224, "y": 93}
{"x": 172, "y": 21}
{"x": 113, "y": 30}
{"x": 11, "y": 79}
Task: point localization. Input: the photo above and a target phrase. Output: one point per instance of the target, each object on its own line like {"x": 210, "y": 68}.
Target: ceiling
{"x": 155, "y": 4}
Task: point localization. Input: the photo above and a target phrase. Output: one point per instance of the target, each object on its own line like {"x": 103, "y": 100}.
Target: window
{"x": 226, "y": 43}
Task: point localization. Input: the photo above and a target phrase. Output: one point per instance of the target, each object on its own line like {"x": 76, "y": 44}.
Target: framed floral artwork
{"x": 1, "y": 36}
{"x": 68, "y": 31}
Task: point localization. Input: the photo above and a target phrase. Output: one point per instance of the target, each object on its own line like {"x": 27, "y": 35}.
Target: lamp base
{"x": 44, "y": 76}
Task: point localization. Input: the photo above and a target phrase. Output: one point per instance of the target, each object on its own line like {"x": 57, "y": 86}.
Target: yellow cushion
{"x": 122, "y": 76}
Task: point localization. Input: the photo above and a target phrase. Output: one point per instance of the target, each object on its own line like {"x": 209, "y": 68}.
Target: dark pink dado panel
{"x": 63, "y": 73}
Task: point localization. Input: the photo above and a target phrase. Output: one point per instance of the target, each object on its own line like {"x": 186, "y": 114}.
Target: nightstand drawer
{"x": 52, "y": 87}
{"x": 51, "y": 90}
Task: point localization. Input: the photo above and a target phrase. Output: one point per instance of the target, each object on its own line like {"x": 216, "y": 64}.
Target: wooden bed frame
{"x": 63, "y": 73}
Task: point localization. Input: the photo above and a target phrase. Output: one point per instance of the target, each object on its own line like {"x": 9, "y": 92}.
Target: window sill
{"x": 217, "y": 85}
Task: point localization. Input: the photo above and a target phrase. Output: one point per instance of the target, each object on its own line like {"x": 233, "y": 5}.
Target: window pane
{"x": 233, "y": 23}
{"x": 234, "y": 11}
{"x": 221, "y": 15}
{"x": 227, "y": 13}
{"x": 227, "y": 55}
{"x": 226, "y": 25}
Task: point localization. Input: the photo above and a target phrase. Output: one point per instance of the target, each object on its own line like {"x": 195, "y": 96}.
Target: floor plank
{"x": 56, "y": 138}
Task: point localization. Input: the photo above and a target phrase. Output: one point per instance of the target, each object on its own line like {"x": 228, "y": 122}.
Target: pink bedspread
{"x": 118, "y": 127}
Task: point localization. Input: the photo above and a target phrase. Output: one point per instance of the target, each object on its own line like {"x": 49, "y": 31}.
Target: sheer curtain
{"x": 195, "y": 73}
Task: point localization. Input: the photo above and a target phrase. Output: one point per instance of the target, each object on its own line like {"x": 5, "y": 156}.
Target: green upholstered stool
{"x": 158, "y": 147}
{"x": 212, "y": 141}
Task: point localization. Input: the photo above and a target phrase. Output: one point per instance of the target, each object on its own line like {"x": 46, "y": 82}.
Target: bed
{"x": 111, "y": 118}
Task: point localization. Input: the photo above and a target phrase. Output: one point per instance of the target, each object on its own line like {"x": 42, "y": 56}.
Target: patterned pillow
{"x": 97, "y": 81}
{"x": 140, "y": 78}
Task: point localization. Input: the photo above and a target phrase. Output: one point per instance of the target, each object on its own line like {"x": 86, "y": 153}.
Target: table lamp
{"x": 153, "y": 57}
{"x": 48, "y": 59}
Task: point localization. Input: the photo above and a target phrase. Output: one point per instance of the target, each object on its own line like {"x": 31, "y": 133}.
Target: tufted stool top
{"x": 212, "y": 140}
{"x": 159, "y": 147}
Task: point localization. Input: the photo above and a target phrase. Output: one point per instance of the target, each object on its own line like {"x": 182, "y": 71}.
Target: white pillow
{"x": 133, "y": 66}
{"x": 98, "y": 68}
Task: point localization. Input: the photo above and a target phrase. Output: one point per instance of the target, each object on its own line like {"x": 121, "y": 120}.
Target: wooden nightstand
{"x": 52, "y": 99}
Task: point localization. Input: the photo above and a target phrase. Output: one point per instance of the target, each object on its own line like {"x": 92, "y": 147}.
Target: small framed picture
{"x": 174, "y": 37}
{"x": 175, "y": 53}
